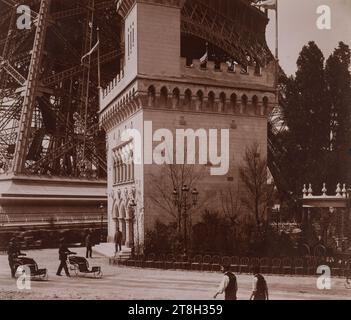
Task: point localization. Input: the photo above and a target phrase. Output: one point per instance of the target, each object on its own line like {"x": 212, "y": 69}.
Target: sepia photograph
{"x": 175, "y": 151}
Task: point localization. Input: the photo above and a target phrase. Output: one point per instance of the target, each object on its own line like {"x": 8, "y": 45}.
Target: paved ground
{"x": 132, "y": 283}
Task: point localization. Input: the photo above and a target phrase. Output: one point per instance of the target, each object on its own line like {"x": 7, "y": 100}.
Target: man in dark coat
{"x": 228, "y": 285}
{"x": 118, "y": 240}
{"x": 259, "y": 286}
{"x": 63, "y": 253}
{"x": 88, "y": 245}
{"x": 13, "y": 252}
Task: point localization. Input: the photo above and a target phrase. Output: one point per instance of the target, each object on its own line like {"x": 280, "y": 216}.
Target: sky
{"x": 298, "y": 25}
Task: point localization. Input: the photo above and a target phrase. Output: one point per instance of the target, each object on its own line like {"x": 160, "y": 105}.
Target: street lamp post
{"x": 181, "y": 201}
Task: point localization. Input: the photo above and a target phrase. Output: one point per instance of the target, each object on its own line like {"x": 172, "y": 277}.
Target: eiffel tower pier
{"x": 52, "y": 152}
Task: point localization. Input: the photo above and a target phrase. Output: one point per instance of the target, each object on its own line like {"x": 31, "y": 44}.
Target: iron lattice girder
{"x": 22, "y": 145}
{"x": 10, "y": 113}
{"x": 58, "y": 95}
{"x": 237, "y": 40}
{"x": 14, "y": 4}
{"x": 4, "y": 64}
{"x": 74, "y": 71}
{"x": 69, "y": 13}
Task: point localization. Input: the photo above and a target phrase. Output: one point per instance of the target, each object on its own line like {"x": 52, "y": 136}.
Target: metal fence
{"x": 17, "y": 219}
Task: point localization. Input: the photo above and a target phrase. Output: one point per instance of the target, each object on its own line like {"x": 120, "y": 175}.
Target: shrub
{"x": 163, "y": 238}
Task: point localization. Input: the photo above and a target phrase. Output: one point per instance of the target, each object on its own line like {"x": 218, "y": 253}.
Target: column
{"x": 118, "y": 171}
{"x": 132, "y": 164}
{"x": 130, "y": 229}
{"x": 129, "y": 233}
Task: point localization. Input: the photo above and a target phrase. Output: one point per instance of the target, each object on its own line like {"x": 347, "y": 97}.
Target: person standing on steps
{"x": 118, "y": 240}
{"x": 88, "y": 245}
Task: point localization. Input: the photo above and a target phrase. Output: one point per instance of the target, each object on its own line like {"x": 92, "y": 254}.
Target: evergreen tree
{"x": 339, "y": 88}
{"x": 306, "y": 112}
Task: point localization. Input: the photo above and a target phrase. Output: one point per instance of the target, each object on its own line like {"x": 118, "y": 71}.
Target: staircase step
{"x": 108, "y": 250}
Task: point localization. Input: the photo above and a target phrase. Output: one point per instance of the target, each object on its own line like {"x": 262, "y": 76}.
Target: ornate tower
{"x": 163, "y": 84}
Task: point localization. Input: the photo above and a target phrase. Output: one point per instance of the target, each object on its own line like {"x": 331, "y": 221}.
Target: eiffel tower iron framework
{"x": 49, "y": 100}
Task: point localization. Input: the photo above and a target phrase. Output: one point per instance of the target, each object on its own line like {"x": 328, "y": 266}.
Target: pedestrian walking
{"x": 228, "y": 285}
{"x": 63, "y": 253}
{"x": 259, "y": 286}
{"x": 118, "y": 240}
{"x": 13, "y": 251}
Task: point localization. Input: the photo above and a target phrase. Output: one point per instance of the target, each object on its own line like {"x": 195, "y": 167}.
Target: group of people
{"x": 229, "y": 285}
{"x": 14, "y": 251}
{"x": 89, "y": 243}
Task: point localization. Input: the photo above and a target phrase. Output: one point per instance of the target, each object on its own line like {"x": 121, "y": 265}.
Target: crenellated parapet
{"x": 261, "y": 78}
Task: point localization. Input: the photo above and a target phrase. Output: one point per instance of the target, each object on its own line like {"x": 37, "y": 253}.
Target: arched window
{"x": 222, "y": 103}
{"x": 243, "y": 105}
{"x": 199, "y": 100}
{"x": 124, "y": 170}
{"x": 130, "y": 169}
{"x": 175, "y": 98}
{"x": 151, "y": 96}
{"x": 255, "y": 105}
{"x": 115, "y": 178}
{"x": 211, "y": 101}
{"x": 164, "y": 97}
{"x": 119, "y": 170}
{"x": 265, "y": 106}
{"x": 187, "y": 98}
{"x": 132, "y": 165}
{"x": 233, "y": 102}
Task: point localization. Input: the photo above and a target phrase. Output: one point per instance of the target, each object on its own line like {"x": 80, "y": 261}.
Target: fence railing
{"x": 8, "y": 220}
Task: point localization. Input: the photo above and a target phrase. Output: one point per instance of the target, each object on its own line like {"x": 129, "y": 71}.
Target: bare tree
{"x": 258, "y": 192}
{"x": 174, "y": 177}
{"x": 231, "y": 202}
